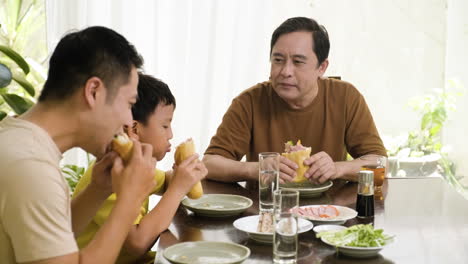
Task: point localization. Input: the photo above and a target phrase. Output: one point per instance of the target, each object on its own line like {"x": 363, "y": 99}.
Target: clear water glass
{"x": 285, "y": 243}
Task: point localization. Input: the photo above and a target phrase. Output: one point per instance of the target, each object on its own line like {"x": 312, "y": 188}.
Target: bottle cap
{"x": 366, "y": 177}
{"x": 366, "y": 183}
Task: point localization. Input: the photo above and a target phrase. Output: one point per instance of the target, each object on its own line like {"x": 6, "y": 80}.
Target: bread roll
{"x": 183, "y": 151}
{"x": 123, "y": 146}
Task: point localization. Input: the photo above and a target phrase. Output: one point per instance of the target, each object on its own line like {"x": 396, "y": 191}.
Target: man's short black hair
{"x": 319, "y": 34}
{"x": 151, "y": 93}
{"x": 93, "y": 52}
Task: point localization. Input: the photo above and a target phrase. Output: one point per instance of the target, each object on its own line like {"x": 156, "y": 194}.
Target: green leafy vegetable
{"x": 357, "y": 236}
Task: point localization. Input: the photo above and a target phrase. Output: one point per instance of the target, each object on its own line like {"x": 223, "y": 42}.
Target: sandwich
{"x": 123, "y": 146}
{"x": 265, "y": 223}
{"x": 183, "y": 151}
{"x": 297, "y": 153}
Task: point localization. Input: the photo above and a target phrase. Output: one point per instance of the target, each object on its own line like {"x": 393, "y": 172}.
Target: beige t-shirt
{"x": 35, "y": 213}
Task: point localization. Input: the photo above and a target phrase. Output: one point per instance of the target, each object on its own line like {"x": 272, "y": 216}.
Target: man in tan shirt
{"x": 329, "y": 115}
{"x": 87, "y": 98}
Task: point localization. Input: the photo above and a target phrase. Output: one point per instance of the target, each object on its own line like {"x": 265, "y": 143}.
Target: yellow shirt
{"x": 105, "y": 210}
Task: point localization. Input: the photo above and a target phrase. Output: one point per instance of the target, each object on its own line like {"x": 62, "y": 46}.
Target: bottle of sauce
{"x": 365, "y": 194}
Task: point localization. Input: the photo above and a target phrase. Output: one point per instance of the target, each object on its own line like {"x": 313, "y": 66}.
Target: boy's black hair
{"x": 151, "y": 93}
{"x": 92, "y": 52}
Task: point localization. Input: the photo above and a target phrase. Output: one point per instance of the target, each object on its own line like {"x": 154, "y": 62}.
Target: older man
{"x": 329, "y": 115}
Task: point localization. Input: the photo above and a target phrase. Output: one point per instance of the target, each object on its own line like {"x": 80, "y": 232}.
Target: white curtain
{"x": 208, "y": 51}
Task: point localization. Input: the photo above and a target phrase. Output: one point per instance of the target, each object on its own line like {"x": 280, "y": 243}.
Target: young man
{"x": 152, "y": 117}
{"x": 331, "y": 116}
{"x": 87, "y": 98}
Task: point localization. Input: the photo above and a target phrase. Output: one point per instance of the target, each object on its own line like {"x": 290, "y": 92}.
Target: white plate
{"x": 206, "y": 252}
{"x": 249, "y": 224}
{"x": 346, "y": 213}
{"x": 218, "y": 205}
{"x": 307, "y": 189}
{"x": 322, "y": 228}
{"x": 357, "y": 252}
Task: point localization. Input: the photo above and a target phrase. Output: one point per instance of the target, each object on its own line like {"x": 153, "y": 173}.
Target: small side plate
{"x": 206, "y": 252}
{"x": 218, "y": 205}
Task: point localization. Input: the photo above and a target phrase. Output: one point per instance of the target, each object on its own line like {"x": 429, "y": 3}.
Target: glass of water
{"x": 285, "y": 243}
{"x": 268, "y": 172}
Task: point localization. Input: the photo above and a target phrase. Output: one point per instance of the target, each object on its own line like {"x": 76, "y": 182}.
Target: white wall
{"x": 456, "y": 69}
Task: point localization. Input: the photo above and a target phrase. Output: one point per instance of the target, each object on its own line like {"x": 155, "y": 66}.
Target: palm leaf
{"x": 24, "y": 83}
{"x": 17, "y": 103}
{"x": 2, "y": 115}
{"x": 18, "y": 59}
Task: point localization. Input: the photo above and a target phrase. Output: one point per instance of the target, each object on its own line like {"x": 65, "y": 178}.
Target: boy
{"x": 152, "y": 116}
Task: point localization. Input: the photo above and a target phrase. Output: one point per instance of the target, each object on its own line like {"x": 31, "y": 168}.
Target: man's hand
{"x": 188, "y": 173}
{"x": 322, "y": 168}
{"x": 287, "y": 170}
{"x": 136, "y": 179}
{"x": 101, "y": 178}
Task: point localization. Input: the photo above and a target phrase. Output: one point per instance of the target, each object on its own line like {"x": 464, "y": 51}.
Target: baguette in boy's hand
{"x": 183, "y": 151}
{"x": 297, "y": 153}
{"x": 123, "y": 146}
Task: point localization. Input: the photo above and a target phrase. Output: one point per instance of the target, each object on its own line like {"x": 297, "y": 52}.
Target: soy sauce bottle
{"x": 365, "y": 194}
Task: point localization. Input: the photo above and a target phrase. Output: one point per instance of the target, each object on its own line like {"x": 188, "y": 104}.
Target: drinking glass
{"x": 268, "y": 172}
{"x": 377, "y": 164}
{"x": 285, "y": 243}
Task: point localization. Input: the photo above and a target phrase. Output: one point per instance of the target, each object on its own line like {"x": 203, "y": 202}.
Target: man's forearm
{"x": 348, "y": 170}
{"x": 227, "y": 170}
{"x": 85, "y": 206}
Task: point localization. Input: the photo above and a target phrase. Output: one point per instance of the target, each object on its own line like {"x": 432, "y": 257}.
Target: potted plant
{"x": 13, "y": 98}
{"x": 23, "y": 52}
{"x": 420, "y": 152}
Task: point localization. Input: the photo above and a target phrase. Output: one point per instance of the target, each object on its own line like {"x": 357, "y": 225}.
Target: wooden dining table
{"x": 427, "y": 216}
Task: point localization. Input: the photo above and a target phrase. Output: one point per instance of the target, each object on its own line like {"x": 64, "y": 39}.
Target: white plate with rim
{"x": 357, "y": 252}
{"x": 218, "y": 205}
{"x": 307, "y": 189}
{"x": 346, "y": 213}
{"x": 206, "y": 252}
{"x": 249, "y": 225}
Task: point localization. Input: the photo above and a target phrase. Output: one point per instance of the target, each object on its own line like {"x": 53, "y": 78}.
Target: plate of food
{"x": 360, "y": 241}
{"x": 297, "y": 153}
{"x": 206, "y": 252}
{"x": 260, "y": 227}
{"x": 218, "y": 205}
{"x": 307, "y": 189}
{"x": 325, "y": 214}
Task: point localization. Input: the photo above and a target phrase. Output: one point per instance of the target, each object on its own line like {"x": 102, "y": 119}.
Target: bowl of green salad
{"x": 359, "y": 241}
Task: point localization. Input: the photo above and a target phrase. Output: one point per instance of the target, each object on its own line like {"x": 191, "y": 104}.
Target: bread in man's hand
{"x": 183, "y": 151}
{"x": 298, "y": 153}
{"x": 123, "y": 146}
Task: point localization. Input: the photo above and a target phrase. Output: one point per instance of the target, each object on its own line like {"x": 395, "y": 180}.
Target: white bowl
{"x": 357, "y": 252}
{"x": 323, "y": 228}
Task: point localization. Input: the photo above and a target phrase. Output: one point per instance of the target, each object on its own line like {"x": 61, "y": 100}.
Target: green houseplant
{"x": 421, "y": 152}
{"x": 22, "y": 31}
